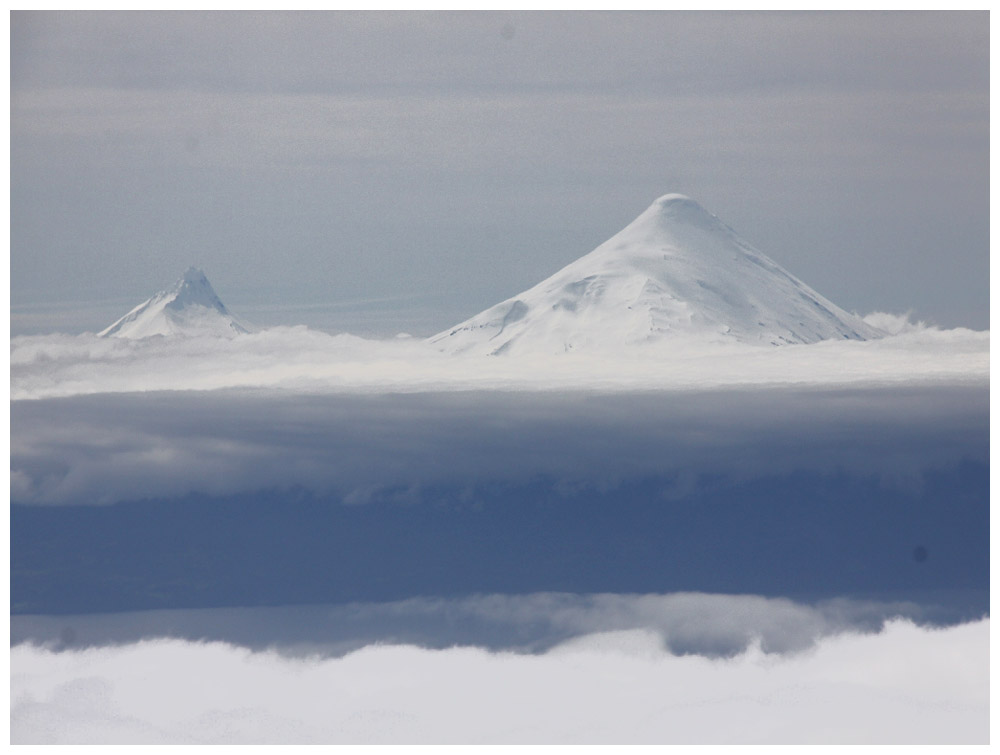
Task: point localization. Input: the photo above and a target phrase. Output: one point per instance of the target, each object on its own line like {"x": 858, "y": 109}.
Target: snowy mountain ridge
{"x": 190, "y": 307}
{"x": 676, "y": 273}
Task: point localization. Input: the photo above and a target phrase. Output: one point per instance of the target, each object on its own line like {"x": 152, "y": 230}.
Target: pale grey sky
{"x": 382, "y": 171}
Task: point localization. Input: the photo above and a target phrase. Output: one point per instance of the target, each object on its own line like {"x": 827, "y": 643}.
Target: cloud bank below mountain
{"x": 301, "y": 359}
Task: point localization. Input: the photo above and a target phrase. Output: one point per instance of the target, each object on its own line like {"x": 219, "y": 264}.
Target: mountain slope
{"x": 189, "y": 308}
{"x": 675, "y": 273}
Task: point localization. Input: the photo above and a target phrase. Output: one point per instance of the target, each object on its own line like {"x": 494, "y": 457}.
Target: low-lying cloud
{"x": 905, "y": 684}
{"x": 297, "y": 358}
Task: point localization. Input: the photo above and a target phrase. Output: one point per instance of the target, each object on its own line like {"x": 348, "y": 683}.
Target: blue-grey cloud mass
{"x": 107, "y": 448}
{"x": 183, "y": 499}
{"x": 379, "y": 172}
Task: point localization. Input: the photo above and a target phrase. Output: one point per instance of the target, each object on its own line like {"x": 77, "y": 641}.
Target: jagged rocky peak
{"x": 189, "y": 307}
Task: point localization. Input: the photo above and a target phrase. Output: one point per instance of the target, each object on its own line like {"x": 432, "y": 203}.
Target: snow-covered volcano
{"x": 675, "y": 273}
{"x": 189, "y": 308}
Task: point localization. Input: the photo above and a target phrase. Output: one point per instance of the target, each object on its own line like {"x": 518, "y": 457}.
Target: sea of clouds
{"x": 905, "y": 684}
{"x": 100, "y": 421}
{"x": 301, "y": 359}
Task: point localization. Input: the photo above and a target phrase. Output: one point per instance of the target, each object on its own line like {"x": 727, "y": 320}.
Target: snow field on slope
{"x": 190, "y": 308}
{"x": 676, "y": 272}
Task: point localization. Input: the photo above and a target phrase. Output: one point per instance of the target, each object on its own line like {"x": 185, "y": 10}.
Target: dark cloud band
{"x": 107, "y": 448}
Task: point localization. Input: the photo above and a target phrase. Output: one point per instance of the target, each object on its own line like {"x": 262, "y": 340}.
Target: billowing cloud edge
{"x": 301, "y": 359}
{"x": 707, "y": 624}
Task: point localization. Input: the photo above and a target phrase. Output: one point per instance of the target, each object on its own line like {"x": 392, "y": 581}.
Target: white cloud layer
{"x": 303, "y": 359}
{"x": 904, "y": 685}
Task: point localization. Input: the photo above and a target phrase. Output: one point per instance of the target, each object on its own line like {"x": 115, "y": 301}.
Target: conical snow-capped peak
{"x": 193, "y": 288}
{"x": 675, "y": 273}
{"x": 190, "y": 307}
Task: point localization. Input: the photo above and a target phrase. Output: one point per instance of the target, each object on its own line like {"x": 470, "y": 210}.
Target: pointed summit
{"x": 190, "y": 307}
{"x": 675, "y": 273}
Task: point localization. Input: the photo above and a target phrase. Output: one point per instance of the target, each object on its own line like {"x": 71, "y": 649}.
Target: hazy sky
{"x": 385, "y": 172}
